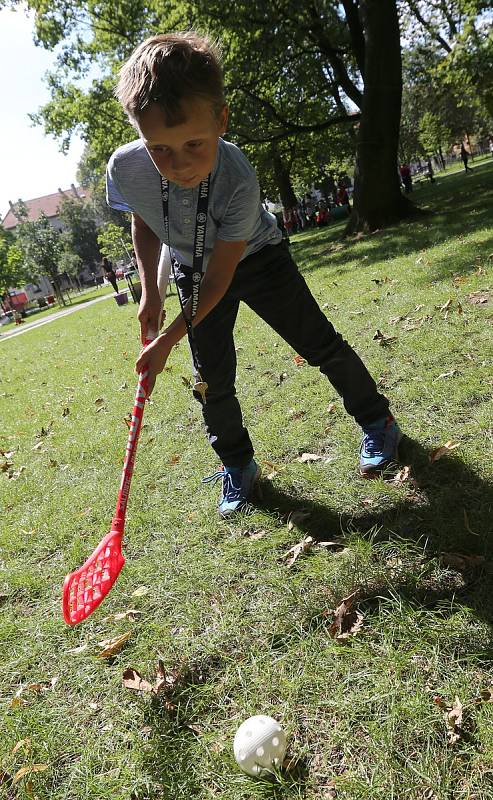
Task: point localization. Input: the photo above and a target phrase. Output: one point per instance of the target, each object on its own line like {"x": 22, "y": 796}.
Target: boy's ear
{"x": 223, "y": 119}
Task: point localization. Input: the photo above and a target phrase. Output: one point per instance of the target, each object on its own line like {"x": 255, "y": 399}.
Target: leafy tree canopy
{"x": 41, "y": 247}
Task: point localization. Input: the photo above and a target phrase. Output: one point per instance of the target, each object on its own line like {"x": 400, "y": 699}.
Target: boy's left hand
{"x": 153, "y": 357}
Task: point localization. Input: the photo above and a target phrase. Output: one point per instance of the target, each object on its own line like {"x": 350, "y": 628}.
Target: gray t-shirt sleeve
{"x": 114, "y": 197}
{"x": 242, "y": 212}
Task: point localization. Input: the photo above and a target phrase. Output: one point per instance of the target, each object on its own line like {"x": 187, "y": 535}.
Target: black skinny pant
{"x": 269, "y": 282}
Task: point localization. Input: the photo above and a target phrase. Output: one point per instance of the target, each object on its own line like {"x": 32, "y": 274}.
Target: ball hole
{"x": 275, "y": 741}
{"x": 260, "y": 751}
{"x": 249, "y": 734}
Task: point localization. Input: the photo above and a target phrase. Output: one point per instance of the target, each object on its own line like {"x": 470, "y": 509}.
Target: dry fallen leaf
{"x": 346, "y": 622}
{"x": 165, "y": 682}
{"x": 174, "y": 459}
{"x": 306, "y": 458}
{"x": 113, "y": 646}
{"x": 141, "y": 591}
{"x": 77, "y": 650}
{"x": 402, "y": 476}
{"x": 447, "y": 374}
{"x": 38, "y": 446}
{"x": 250, "y": 533}
{"x": 23, "y": 743}
{"x": 295, "y": 552}
{"x": 133, "y": 680}
{"x": 446, "y": 305}
{"x": 453, "y": 721}
{"x": 23, "y": 771}
{"x": 99, "y": 401}
{"x": 293, "y": 414}
{"x": 295, "y": 517}
{"x": 383, "y": 340}
{"x": 299, "y": 361}
{"x": 331, "y": 408}
{"x": 441, "y": 451}
{"x": 479, "y": 297}
{"x": 485, "y": 695}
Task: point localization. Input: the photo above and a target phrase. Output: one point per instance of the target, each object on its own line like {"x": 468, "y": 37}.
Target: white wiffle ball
{"x": 259, "y": 744}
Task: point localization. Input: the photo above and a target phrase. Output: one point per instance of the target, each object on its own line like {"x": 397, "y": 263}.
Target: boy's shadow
{"x": 448, "y": 509}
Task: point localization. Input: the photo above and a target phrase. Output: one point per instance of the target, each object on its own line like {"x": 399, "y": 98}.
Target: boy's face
{"x": 185, "y": 153}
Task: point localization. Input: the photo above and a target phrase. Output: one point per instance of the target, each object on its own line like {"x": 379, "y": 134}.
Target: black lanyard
{"x": 198, "y": 266}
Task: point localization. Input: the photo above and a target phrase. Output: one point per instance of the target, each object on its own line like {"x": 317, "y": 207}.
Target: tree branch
{"x": 318, "y": 34}
{"x": 428, "y": 26}
{"x": 247, "y": 138}
{"x": 351, "y": 9}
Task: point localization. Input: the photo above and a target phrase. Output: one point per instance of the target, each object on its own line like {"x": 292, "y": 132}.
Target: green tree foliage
{"x": 456, "y": 39}
{"x": 80, "y": 233}
{"x": 433, "y": 135}
{"x": 114, "y": 242}
{"x": 70, "y": 263}
{"x": 296, "y": 68}
{"x": 12, "y": 268}
{"x": 41, "y": 247}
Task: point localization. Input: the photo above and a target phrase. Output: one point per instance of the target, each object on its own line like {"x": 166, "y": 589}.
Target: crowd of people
{"x": 314, "y": 211}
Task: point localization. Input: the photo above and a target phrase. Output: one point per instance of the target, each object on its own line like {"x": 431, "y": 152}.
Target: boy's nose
{"x": 179, "y": 164}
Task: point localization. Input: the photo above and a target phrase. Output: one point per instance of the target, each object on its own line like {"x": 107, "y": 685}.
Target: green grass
{"x": 253, "y": 634}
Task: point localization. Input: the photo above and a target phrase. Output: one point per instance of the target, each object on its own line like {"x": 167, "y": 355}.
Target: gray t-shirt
{"x": 235, "y": 212}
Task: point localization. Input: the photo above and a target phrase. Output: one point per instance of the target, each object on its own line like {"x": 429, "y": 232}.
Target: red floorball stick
{"x": 86, "y": 588}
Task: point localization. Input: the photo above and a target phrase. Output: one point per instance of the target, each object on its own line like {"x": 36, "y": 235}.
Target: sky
{"x": 31, "y": 164}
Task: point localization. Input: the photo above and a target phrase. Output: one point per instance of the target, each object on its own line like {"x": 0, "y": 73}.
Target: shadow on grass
{"x": 447, "y": 509}
{"x": 460, "y": 205}
{"x": 173, "y": 752}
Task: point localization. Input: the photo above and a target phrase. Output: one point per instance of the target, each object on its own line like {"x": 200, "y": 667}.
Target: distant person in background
{"x": 310, "y": 210}
{"x": 322, "y": 215}
{"x": 490, "y": 145}
{"x": 342, "y": 198}
{"x": 406, "y": 177}
{"x": 429, "y": 171}
{"x": 464, "y": 154}
{"x": 109, "y": 273}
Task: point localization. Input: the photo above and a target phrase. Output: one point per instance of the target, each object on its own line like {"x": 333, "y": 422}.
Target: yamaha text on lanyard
{"x": 200, "y": 386}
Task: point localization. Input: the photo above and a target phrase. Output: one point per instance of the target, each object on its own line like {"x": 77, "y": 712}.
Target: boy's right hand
{"x": 153, "y": 358}
{"x": 150, "y": 316}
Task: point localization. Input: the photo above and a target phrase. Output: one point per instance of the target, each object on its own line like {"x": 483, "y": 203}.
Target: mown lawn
{"x": 366, "y": 716}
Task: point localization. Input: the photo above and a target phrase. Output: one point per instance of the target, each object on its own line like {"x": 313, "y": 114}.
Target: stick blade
{"x": 86, "y": 588}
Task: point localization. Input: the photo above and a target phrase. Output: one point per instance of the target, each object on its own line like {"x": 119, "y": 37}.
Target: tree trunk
{"x": 378, "y": 200}
{"x": 283, "y": 180}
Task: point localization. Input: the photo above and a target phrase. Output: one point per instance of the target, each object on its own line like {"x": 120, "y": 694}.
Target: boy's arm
{"x": 220, "y": 271}
{"x": 147, "y": 246}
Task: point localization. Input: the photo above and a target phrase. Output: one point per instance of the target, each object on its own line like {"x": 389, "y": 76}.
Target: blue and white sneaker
{"x": 379, "y": 448}
{"x": 238, "y": 486}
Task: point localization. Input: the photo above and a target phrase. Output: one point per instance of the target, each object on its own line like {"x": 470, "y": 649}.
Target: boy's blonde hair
{"x": 167, "y": 69}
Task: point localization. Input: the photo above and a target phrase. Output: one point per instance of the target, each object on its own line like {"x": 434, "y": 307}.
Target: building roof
{"x": 48, "y": 205}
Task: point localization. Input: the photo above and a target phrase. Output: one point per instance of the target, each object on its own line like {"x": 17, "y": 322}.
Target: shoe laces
{"x": 231, "y": 492}
{"x": 373, "y": 442}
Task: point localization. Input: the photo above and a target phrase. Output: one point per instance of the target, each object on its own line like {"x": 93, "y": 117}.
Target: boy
{"x": 172, "y": 90}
